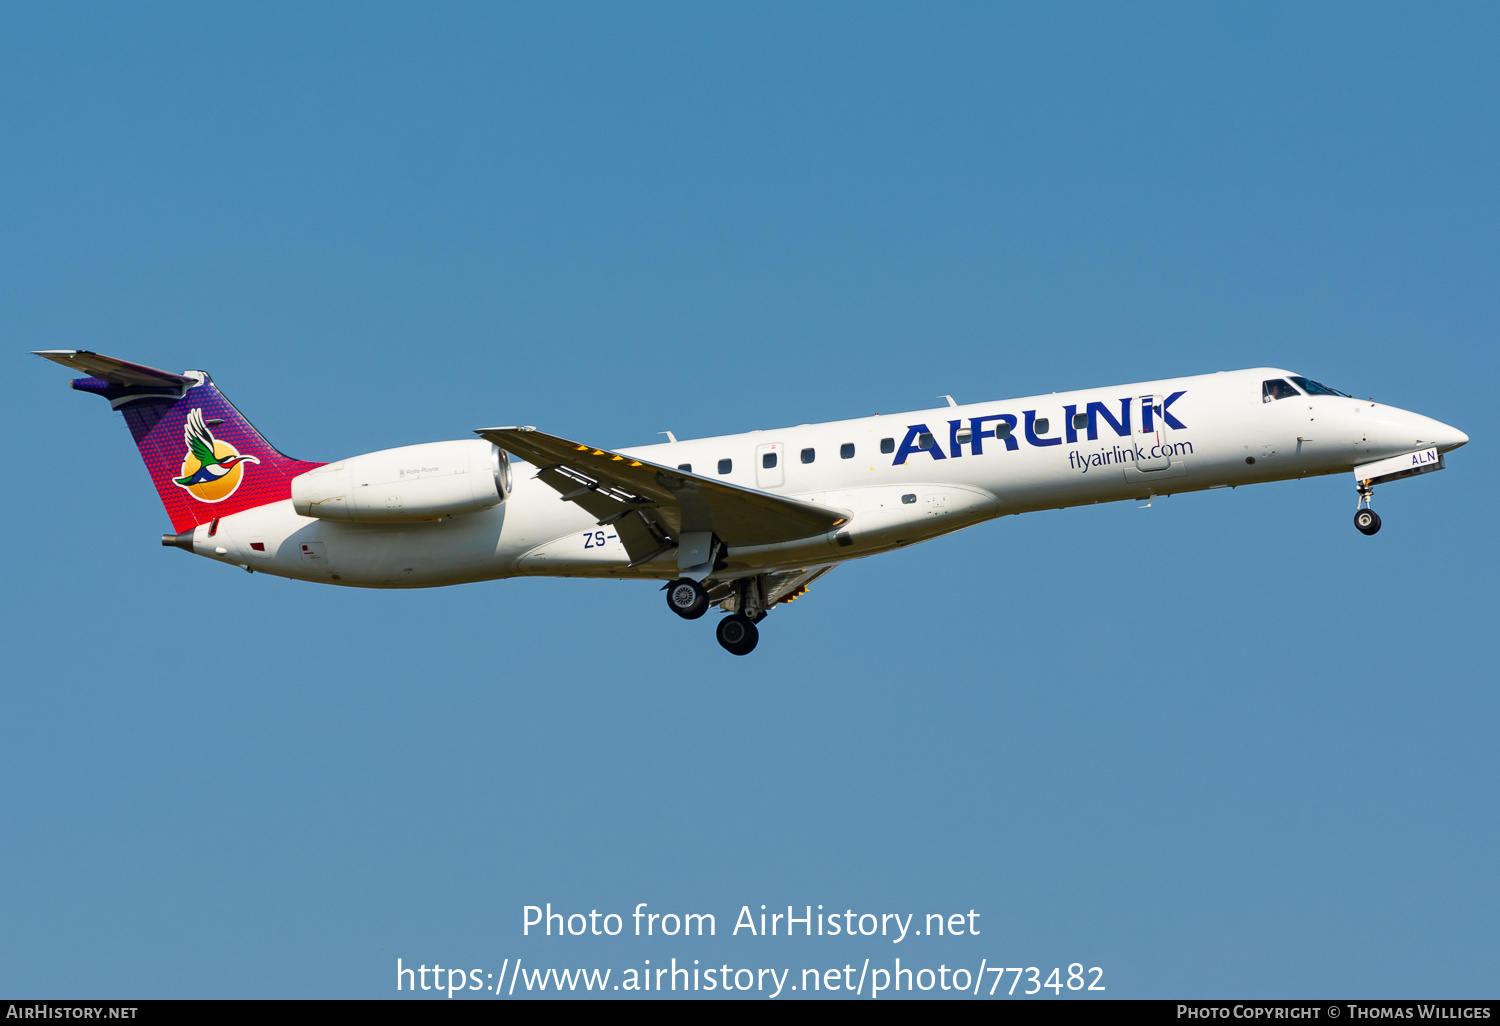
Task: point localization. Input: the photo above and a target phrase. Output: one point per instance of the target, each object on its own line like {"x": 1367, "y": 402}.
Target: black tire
{"x": 1367, "y": 521}
{"x": 687, "y": 598}
{"x": 737, "y": 634}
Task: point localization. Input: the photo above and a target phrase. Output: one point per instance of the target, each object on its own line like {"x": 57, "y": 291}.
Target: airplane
{"x": 743, "y": 522}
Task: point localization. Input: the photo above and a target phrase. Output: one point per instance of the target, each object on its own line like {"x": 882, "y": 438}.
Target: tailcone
{"x": 178, "y": 541}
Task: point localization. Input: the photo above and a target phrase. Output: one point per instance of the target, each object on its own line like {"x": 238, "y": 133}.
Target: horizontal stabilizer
{"x": 107, "y": 368}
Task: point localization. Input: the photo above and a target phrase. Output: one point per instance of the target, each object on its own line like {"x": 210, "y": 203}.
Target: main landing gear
{"x": 737, "y": 632}
{"x": 1366, "y": 520}
{"x": 687, "y": 598}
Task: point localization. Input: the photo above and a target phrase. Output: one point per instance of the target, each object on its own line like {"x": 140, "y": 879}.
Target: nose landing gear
{"x": 1366, "y": 520}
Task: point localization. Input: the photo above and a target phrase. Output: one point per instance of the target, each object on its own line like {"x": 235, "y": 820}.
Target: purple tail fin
{"x": 205, "y": 459}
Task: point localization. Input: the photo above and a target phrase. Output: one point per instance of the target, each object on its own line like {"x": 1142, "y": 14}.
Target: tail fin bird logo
{"x": 212, "y": 469}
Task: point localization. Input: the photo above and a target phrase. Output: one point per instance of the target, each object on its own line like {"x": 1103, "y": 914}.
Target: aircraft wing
{"x": 781, "y": 586}
{"x": 652, "y": 506}
{"x": 789, "y": 585}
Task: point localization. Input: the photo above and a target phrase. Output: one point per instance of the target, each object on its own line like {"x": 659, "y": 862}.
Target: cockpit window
{"x": 1313, "y": 388}
{"x": 1275, "y": 389}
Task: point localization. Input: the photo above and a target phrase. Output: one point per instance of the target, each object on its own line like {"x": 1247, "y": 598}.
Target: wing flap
{"x": 642, "y": 534}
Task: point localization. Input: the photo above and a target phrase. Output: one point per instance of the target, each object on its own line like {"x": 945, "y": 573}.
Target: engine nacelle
{"x": 412, "y": 483}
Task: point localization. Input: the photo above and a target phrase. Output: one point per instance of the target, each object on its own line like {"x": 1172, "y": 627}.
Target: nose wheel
{"x": 1366, "y": 520}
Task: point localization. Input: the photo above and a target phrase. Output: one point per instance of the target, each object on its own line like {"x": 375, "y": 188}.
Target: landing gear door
{"x": 1152, "y": 449}
{"x": 769, "y": 472}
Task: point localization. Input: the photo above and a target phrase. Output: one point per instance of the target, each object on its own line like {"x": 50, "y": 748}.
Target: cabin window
{"x": 846, "y": 451}
{"x": 1042, "y": 424}
{"x": 685, "y": 466}
{"x": 1080, "y": 421}
{"x": 1275, "y": 389}
{"x": 1002, "y": 430}
{"x": 924, "y": 441}
{"x": 909, "y": 498}
{"x": 808, "y": 455}
{"x": 768, "y": 460}
{"x": 725, "y": 466}
{"x": 964, "y": 437}
{"x": 887, "y": 445}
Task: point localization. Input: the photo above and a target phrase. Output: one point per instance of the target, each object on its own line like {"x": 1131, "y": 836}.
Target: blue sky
{"x": 1222, "y": 746}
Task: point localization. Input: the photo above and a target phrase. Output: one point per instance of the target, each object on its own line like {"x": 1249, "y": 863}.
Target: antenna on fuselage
{"x": 670, "y": 437}
{"x": 949, "y": 398}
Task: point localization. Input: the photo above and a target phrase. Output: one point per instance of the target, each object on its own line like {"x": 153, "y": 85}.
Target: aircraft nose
{"x": 1434, "y": 432}
{"x": 1400, "y": 429}
{"x": 1447, "y": 438}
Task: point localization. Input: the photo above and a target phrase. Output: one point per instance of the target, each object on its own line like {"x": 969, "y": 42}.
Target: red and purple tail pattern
{"x": 205, "y": 459}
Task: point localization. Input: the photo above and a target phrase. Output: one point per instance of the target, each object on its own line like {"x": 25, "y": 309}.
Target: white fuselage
{"x": 1131, "y": 441}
